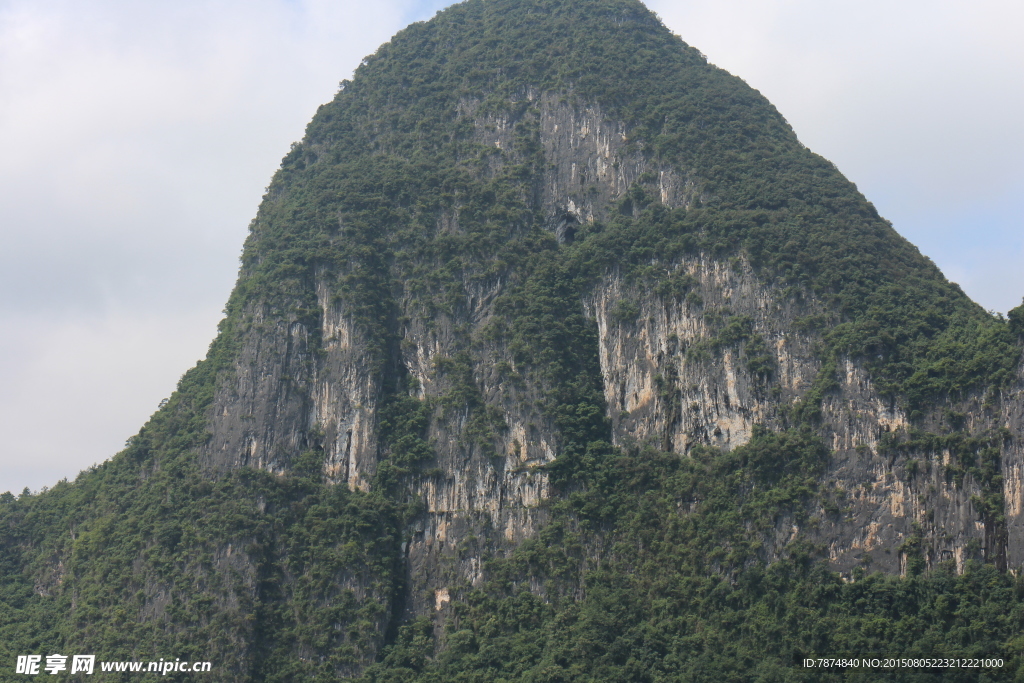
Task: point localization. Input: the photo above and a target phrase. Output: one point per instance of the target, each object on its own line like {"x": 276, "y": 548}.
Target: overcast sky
{"x": 137, "y": 138}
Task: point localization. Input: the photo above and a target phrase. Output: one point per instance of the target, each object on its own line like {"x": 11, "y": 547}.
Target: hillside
{"x": 555, "y": 356}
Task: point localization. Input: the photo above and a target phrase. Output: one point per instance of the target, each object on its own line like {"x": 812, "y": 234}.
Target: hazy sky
{"x": 138, "y": 137}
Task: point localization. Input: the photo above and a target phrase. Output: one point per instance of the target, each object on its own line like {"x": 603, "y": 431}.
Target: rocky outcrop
{"x": 591, "y": 161}
{"x": 671, "y": 381}
{"x": 345, "y": 396}
{"x": 285, "y": 396}
{"x": 1011, "y": 419}
{"x": 260, "y": 414}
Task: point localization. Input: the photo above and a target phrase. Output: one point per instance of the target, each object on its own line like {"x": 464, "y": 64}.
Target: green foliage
{"x": 653, "y": 572}
{"x": 1016, "y": 320}
{"x": 625, "y": 311}
{"x": 751, "y": 625}
{"x": 549, "y": 333}
{"x": 402, "y": 428}
{"x": 147, "y": 556}
{"x": 760, "y": 360}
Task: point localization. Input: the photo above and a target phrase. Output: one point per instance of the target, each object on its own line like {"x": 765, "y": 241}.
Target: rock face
{"x": 660, "y": 392}
{"x": 1012, "y": 459}
{"x": 670, "y": 377}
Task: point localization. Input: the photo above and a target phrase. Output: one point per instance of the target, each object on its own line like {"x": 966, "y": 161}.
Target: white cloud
{"x": 76, "y": 388}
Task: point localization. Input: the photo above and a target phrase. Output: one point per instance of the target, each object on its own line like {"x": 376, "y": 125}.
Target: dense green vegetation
{"x": 665, "y": 554}
{"x": 146, "y": 557}
{"x": 654, "y": 567}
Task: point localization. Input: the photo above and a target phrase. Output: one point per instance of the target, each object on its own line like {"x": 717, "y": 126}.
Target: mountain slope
{"x": 547, "y": 326}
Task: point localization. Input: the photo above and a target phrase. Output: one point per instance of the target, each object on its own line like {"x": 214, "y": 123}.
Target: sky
{"x": 137, "y": 138}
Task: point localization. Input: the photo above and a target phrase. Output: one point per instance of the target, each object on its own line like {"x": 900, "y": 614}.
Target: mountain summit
{"x": 554, "y": 355}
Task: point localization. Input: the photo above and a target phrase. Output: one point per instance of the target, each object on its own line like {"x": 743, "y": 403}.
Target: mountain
{"x": 554, "y": 355}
